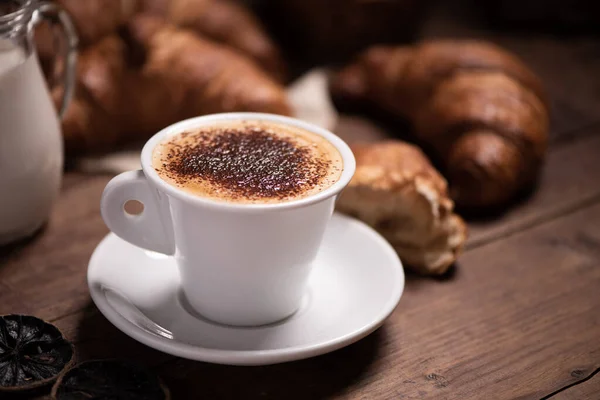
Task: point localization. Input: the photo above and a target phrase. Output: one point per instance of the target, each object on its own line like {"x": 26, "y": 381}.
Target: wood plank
{"x": 516, "y": 320}
{"x": 461, "y": 333}
{"x": 519, "y": 316}
{"x": 409, "y": 351}
{"x": 456, "y": 333}
{"x": 587, "y": 389}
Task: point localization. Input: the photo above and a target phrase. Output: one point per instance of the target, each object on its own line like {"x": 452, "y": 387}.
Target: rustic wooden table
{"x": 517, "y": 318}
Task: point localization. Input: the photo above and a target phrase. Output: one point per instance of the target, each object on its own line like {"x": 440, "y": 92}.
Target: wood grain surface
{"x": 518, "y": 317}
{"x": 589, "y": 388}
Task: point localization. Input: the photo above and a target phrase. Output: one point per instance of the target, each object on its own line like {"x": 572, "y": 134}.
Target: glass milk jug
{"x": 31, "y": 151}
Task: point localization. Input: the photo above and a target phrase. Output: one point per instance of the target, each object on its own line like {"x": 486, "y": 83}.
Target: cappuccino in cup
{"x": 248, "y": 162}
{"x": 241, "y": 201}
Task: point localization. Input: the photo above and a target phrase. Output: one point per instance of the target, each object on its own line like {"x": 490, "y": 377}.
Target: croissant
{"x": 480, "y": 109}
{"x": 184, "y": 75}
{"x": 130, "y": 87}
{"x": 224, "y": 21}
{"x": 396, "y": 190}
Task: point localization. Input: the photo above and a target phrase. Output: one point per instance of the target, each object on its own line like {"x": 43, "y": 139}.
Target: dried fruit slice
{"x": 32, "y": 352}
{"x": 109, "y": 379}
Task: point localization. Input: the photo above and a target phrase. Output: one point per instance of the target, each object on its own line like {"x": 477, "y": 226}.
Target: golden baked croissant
{"x": 479, "y": 108}
{"x": 184, "y": 75}
{"x": 129, "y": 89}
{"x": 398, "y": 192}
{"x": 225, "y": 21}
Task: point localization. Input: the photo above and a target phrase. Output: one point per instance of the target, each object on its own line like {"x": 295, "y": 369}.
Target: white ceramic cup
{"x": 240, "y": 264}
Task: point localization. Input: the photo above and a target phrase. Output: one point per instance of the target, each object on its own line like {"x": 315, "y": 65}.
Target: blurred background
{"x": 557, "y": 39}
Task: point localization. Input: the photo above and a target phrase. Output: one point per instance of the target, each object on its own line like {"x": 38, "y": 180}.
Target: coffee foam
{"x": 248, "y": 162}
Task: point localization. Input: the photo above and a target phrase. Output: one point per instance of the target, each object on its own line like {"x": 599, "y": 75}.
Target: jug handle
{"x": 56, "y": 15}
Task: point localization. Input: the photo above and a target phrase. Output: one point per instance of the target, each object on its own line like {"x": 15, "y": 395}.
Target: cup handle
{"x": 56, "y": 15}
{"x": 152, "y": 228}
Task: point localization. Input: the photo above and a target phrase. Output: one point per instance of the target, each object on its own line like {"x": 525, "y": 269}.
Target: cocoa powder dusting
{"x": 252, "y": 162}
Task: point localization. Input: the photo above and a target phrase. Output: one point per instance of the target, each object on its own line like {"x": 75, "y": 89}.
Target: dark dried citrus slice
{"x": 109, "y": 379}
{"x": 32, "y": 352}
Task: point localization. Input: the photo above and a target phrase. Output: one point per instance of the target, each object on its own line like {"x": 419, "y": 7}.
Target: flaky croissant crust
{"x": 398, "y": 192}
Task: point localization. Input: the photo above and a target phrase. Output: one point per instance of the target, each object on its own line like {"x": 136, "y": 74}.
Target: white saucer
{"x": 356, "y": 283}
